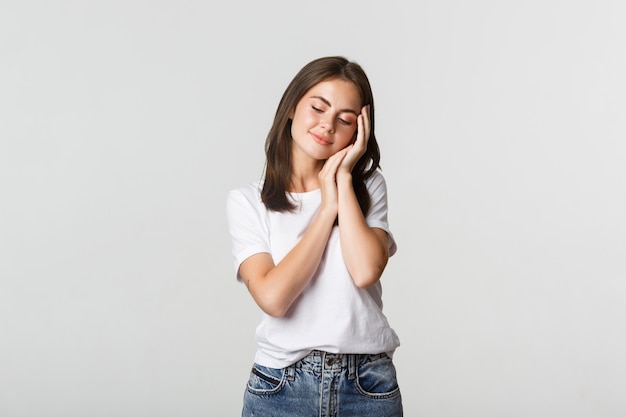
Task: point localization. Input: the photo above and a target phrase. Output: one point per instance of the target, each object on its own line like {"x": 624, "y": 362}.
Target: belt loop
{"x": 291, "y": 372}
{"x": 352, "y": 366}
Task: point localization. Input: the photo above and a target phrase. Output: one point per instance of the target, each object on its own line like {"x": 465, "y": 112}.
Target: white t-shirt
{"x": 331, "y": 314}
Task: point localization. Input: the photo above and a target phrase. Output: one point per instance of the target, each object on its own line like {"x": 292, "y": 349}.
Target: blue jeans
{"x": 325, "y": 385}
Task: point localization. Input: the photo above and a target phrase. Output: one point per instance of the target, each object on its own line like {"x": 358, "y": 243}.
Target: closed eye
{"x": 344, "y": 122}
{"x": 316, "y": 109}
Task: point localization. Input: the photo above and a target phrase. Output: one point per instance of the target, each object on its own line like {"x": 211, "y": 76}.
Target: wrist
{"x": 327, "y": 214}
{"x": 344, "y": 178}
{"x": 344, "y": 174}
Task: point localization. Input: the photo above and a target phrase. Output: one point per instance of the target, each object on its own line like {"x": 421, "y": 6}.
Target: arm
{"x": 364, "y": 249}
{"x": 275, "y": 287}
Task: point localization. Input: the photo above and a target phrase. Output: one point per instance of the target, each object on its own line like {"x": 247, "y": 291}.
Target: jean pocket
{"x": 264, "y": 380}
{"x": 377, "y": 378}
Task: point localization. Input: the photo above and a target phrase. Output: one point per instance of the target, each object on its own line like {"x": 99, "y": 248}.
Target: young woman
{"x": 311, "y": 242}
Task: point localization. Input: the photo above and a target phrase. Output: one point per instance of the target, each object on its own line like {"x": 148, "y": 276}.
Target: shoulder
{"x": 248, "y": 195}
{"x": 251, "y": 190}
{"x": 376, "y": 183}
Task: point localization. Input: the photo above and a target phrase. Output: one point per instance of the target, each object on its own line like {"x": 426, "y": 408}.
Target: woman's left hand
{"x": 357, "y": 149}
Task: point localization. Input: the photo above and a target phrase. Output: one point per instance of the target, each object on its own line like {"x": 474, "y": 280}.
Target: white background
{"x": 123, "y": 124}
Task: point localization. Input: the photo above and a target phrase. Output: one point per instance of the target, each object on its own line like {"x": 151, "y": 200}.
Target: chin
{"x": 320, "y": 154}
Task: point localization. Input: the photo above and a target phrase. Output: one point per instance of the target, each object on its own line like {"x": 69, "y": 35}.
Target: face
{"x": 325, "y": 119}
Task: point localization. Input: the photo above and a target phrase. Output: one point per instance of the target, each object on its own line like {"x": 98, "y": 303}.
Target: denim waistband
{"x": 319, "y": 361}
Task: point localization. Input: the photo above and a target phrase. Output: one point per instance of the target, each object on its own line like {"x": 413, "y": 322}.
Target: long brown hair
{"x": 278, "y": 143}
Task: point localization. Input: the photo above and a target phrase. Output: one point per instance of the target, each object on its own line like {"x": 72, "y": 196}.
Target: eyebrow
{"x": 329, "y": 105}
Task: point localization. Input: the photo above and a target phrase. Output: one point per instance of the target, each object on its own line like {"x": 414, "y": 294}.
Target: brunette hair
{"x": 279, "y": 142}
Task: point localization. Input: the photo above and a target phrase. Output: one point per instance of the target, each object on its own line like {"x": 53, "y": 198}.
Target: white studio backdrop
{"x": 123, "y": 125}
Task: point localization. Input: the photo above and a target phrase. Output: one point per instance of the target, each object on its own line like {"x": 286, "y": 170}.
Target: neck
{"x": 304, "y": 174}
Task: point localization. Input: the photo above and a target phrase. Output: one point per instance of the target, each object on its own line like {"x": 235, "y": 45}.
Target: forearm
{"x": 364, "y": 250}
{"x": 276, "y": 288}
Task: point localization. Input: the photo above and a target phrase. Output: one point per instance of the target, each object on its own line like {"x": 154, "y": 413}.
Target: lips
{"x": 320, "y": 139}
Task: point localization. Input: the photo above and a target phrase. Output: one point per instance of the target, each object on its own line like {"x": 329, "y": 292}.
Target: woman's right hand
{"x": 328, "y": 182}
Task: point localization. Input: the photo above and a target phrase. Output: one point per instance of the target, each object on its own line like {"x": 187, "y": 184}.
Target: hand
{"x": 356, "y": 150}
{"x": 328, "y": 181}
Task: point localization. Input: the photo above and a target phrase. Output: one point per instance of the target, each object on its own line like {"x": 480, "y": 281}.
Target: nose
{"x": 328, "y": 124}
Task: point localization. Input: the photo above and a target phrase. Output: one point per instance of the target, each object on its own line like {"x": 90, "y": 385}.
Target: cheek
{"x": 305, "y": 116}
{"x": 346, "y": 137}
{"x": 301, "y": 123}
{"x": 351, "y": 131}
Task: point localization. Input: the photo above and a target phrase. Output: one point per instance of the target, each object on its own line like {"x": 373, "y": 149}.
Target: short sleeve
{"x": 247, "y": 226}
{"x": 377, "y": 215}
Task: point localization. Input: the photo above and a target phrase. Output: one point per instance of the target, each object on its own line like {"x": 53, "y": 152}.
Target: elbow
{"x": 368, "y": 277}
{"x": 274, "y": 311}
{"x": 365, "y": 282}
{"x": 269, "y": 299}
{"x": 367, "y": 266}
{"x": 273, "y": 307}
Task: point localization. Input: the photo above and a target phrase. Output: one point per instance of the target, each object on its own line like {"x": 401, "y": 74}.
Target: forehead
{"x": 340, "y": 93}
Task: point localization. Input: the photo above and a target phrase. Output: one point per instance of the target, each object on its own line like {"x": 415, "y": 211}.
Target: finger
{"x": 332, "y": 163}
{"x": 360, "y": 127}
{"x": 353, "y": 153}
{"x": 367, "y": 124}
{"x": 362, "y": 133}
